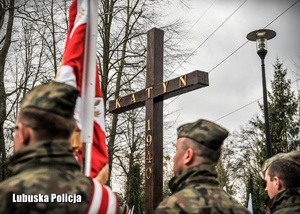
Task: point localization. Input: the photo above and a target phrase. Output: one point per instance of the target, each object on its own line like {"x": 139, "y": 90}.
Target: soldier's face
{"x": 179, "y": 156}
{"x": 271, "y": 185}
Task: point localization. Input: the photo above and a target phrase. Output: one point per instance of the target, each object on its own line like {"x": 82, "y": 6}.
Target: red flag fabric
{"x": 71, "y": 72}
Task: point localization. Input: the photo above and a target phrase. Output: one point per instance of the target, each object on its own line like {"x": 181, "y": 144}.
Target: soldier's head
{"x": 46, "y": 113}
{"x": 282, "y": 172}
{"x": 198, "y": 143}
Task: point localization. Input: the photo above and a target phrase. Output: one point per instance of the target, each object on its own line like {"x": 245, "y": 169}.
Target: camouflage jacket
{"x": 286, "y": 202}
{"x": 46, "y": 179}
{"x": 196, "y": 190}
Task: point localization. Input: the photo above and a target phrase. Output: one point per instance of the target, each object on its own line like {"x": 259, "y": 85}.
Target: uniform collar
{"x": 198, "y": 174}
{"x": 46, "y": 152}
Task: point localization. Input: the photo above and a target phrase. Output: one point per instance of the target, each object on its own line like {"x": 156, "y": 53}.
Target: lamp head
{"x": 261, "y": 37}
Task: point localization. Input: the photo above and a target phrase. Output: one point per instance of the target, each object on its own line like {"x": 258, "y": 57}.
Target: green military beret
{"x": 55, "y": 97}
{"x": 204, "y": 132}
{"x": 293, "y": 156}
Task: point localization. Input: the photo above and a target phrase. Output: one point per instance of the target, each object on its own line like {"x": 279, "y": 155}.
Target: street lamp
{"x": 261, "y": 36}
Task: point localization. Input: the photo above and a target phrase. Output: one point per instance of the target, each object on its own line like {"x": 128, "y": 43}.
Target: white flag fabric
{"x": 250, "y": 205}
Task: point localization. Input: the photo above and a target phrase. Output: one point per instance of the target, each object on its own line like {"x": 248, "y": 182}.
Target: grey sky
{"x": 238, "y": 80}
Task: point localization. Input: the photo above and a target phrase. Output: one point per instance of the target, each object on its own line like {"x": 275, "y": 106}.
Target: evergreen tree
{"x": 250, "y": 186}
{"x": 223, "y": 177}
{"x": 168, "y": 174}
{"x": 136, "y": 194}
{"x": 283, "y": 108}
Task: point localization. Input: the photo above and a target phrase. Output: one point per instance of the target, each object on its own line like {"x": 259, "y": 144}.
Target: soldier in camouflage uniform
{"x": 282, "y": 175}
{"x": 46, "y": 176}
{"x": 194, "y": 187}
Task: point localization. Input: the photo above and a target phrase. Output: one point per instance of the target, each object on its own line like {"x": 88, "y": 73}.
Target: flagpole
{"x": 88, "y": 85}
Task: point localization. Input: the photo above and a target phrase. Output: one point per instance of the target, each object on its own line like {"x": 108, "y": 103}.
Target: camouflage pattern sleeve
{"x": 203, "y": 200}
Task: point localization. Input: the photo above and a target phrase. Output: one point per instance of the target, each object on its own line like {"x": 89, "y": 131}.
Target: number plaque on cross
{"x": 152, "y": 98}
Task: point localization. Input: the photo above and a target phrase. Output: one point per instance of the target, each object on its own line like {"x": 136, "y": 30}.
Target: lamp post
{"x": 261, "y": 36}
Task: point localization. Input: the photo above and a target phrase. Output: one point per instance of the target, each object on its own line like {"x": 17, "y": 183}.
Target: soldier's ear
{"x": 24, "y": 134}
{"x": 279, "y": 183}
{"x": 188, "y": 156}
{"x": 20, "y": 137}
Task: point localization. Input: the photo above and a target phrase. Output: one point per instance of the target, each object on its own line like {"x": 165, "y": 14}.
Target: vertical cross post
{"x": 154, "y": 118}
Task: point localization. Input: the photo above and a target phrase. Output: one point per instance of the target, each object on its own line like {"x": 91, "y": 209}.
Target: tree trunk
{"x": 3, "y": 54}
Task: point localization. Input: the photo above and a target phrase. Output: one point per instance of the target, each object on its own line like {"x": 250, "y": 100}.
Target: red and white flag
{"x": 71, "y": 72}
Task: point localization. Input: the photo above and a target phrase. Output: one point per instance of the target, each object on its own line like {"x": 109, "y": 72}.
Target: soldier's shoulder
{"x": 168, "y": 205}
{"x": 288, "y": 210}
{"x": 179, "y": 201}
{"x": 7, "y": 188}
{"x": 10, "y": 183}
{"x": 200, "y": 199}
{"x": 47, "y": 181}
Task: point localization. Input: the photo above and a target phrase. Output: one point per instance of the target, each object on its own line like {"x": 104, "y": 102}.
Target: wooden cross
{"x": 152, "y": 98}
